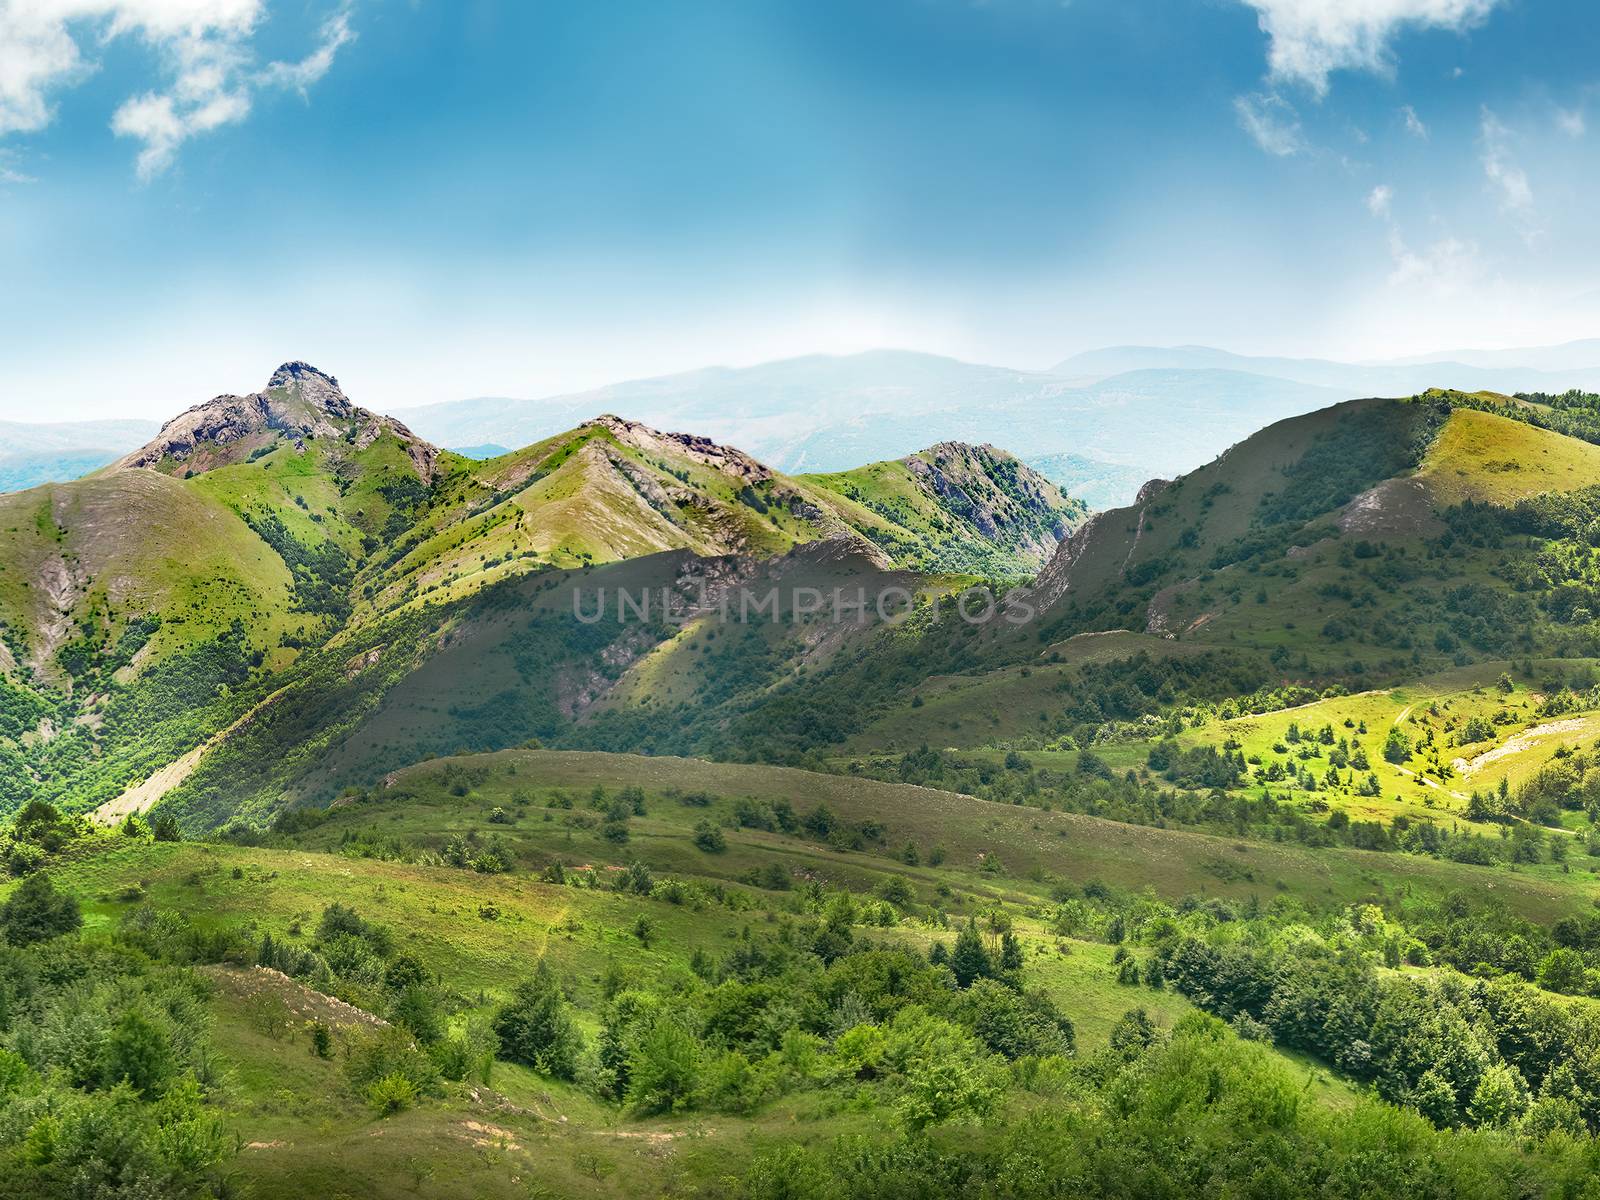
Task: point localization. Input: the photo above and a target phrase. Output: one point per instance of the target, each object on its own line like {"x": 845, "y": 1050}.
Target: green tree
{"x": 1562, "y": 971}
{"x": 536, "y": 1029}
{"x": 1435, "y": 1099}
{"x": 140, "y": 1053}
{"x": 663, "y": 1068}
{"x": 1501, "y": 1097}
{"x": 969, "y": 960}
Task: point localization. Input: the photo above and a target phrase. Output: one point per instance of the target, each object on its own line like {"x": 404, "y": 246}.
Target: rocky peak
{"x": 300, "y": 372}
{"x": 299, "y": 402}
{"x": 312, "y": 384}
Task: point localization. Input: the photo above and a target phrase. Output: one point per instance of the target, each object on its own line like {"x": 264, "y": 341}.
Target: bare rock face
{"x": 1000, "y": 497}
{"x": 298, "y": 403}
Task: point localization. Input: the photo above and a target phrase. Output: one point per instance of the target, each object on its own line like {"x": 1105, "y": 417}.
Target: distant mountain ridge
{"x": 1128, "y": 412}
{"x": 822, "y": 414}
{"x": 1152, "y": 410}
{"x": 1498, "y": 371}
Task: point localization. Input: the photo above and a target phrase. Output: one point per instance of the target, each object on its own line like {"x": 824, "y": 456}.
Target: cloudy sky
{"x": 444, "y": 198}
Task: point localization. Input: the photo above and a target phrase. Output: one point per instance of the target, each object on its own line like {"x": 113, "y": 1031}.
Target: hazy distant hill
{"x": 34, "y": 454}
{"x": 1100, "y": 485}
{"x": 825, "y": 413}
{"x": 1546, "y": 369}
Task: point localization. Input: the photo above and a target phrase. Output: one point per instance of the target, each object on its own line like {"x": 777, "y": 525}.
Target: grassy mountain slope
{"x": 92, "y": 558}
{"x": 614, "y": 489}
{"x": 270, "y": 566}
{"x": 1260, "y": 544}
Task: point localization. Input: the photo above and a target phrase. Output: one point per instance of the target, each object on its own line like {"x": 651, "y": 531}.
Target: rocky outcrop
{"x": 735, "y": 464}
{"x": 996, "y": 495}
{"x": 1150, "y": 489}
{"x": 298, "y": 403}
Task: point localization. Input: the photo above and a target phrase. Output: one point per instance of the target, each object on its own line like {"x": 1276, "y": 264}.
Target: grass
{"x": 1032, "y": 845}
{"x": 301, "y": 1128}
{"x": 1481, "y": 456}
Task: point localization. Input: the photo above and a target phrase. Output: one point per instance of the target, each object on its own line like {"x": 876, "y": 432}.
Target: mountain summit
{"x": 299, "y": 403}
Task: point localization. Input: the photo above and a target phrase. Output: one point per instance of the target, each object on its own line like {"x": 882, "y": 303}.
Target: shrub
{"x": 37, "y": 912}
{"x": 321, "y": 1040}
{"x": 391, "y": 1094}
{"x": 663, "y": 1068}
{"x": 378, "y": 1053}
{"x": 708, "y": 836}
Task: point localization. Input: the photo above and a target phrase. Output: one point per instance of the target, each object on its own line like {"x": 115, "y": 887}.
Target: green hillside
{"x": 1267, "y": 813}
{"x": 638, "y": 977}
{"x": 964, "y": 509}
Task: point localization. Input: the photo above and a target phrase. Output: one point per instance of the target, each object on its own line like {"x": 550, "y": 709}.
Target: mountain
{"x": 827, "y": 413}
{"x": 299, "y": 404}
{"x": 35, "y": 454}
{"x": 1303, "y": 492}
{"x": 257, "y": 539}
{"x": 1579, "y": 356}
{"x": 1547, "y": 369}
{"x": 480, "y": 452}
{"x": 771, "y": 409}
{"x": 472, "y": 800}
{"x": 956, "y": 507}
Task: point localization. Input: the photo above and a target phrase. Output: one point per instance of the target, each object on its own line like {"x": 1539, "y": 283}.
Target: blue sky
{"x": 517, "y": 197}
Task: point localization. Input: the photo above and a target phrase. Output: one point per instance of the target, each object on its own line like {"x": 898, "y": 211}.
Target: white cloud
{"x": 1414, "y": 125}
{"x": 336, "y": 32}
{"x": 203, "y": 46}
{"x": 1570, "y": 121}
{"x": 1447, "y": 267}
{"x": 1271, "y": 121}
{"x": 1310, "y": 39}
{"x": 1509, "y": 181}
{"x": 8, "y": 173}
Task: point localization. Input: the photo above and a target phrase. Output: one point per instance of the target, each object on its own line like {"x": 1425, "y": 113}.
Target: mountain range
{"x": 308, "y": 593}
{"x": 254, "y": 529}
{"x": 33, "y": 454}
{"x": 1098, "y": 423}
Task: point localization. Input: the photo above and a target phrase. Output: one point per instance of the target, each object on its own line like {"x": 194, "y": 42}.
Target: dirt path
{"x": 1426, "y": 782}
{"x": 1523, "y": 741}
